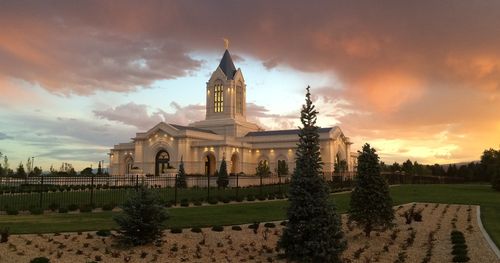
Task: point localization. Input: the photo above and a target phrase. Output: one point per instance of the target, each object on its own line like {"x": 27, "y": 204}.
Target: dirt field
{"x": 405, "y": 242}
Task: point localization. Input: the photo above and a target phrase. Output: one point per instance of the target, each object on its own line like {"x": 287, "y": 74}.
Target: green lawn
{"x": 267, "y": 211}
{"x": 100, "y": 197}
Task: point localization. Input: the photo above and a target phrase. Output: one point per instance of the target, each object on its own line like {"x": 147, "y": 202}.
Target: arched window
{"x": 239, "y": 99}
{"x": 218, "y": 98}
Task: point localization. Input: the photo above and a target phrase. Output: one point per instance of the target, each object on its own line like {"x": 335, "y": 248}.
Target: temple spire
{"x": 226, "y": 43}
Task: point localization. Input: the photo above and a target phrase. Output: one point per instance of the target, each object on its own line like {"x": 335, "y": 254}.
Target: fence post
{"x": 208, "y": 186}
{"x": 136, "y": 182}
{"x": 279, "y": 183}
{"x": 260, "y": 188}
{"x": 41, "y": 191}
{"x": 237, "y": 185}
{"x": 175, "y": 190}
{"x": 92, "y": 190}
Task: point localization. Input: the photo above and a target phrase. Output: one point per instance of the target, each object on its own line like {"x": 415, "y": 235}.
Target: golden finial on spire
{"x": 226, "y": 43}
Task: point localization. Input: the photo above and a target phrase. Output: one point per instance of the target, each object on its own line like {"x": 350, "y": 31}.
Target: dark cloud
{"x": 4, "y": 136}
{"x": 137, "y": 115}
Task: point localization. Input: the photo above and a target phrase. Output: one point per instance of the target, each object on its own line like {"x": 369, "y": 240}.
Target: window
{"x": 239, "y": 99}
{"x": 218, "y": 98}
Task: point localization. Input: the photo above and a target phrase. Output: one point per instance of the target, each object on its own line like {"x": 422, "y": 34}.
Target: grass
{"x": 100, "y": 197}
{"x": 233, "y": 214}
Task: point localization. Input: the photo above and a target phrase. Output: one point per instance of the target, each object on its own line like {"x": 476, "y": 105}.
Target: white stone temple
{"x": 225, "y": 133}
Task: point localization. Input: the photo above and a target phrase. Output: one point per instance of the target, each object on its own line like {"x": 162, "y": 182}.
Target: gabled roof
{"x": 180, "y": 127}
{"x": 282, "y": 132}
{"x": 227, "y": 66}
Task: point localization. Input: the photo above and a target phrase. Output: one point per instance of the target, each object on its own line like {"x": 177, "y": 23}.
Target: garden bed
{"x": 429, "y": 238}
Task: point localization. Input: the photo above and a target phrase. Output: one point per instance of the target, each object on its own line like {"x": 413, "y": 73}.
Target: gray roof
{"x": 282, "y": 132}
{"x": 227, "y": 65}
{"x": 180, "y": 127}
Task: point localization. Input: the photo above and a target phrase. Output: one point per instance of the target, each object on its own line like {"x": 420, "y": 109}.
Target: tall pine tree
{"x": 180, "y": 181}
{"x": 371, "y": 203}
{"x": 313, "y": 232}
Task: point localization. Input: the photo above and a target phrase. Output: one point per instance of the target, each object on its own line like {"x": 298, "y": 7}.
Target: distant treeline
{"x": 484, "y": 170}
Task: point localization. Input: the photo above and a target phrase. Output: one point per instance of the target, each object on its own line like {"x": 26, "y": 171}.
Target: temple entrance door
{"x": 161, "y": 162}
{"x": 209, "y": 164}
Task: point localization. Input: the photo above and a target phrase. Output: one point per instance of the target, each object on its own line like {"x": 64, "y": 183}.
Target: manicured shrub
{"x": 53, "y": 206}
{"x": 250, "y": 198}
{"x": 239, "y": 199}
{"x": 283, "y": 223}
{"x": 103, "y": 233}
{"x": 143, "y": 218}
{"x": 269, "y": 225}
{"x": 197, "y": 203}
{"x": 36, "y": 211}
{"x": 280, "y": 196}
{"x": 261, "y": 197}
{"x": 461, "y": 258}
{"x": 459, "y": 251}
{"x": 108, "y": 206}
{"x": 196, "y": 230}
{"x": 72, "y": 207}
{"x": 459, "y": 246}
{"x": 63, "y": 210}
{"x": 4, "y": 235}
{"x": 176, "y": 230}
{"x": 217, "y": 228}
{"x": 85, "y": 208}
{"x": 236, "y": 228}
{"x": 225, "y": 199}
{"x": 40, "y": 260}
{"x": 12, "y": 211}
{"x": 213, "y": 200}
{"x": 184, "y": 202}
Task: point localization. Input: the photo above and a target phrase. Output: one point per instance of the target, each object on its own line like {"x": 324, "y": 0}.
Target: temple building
{"x": 225, "y": 133}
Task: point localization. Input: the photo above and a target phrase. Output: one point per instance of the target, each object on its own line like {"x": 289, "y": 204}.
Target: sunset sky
{"x": 416, "y": 79}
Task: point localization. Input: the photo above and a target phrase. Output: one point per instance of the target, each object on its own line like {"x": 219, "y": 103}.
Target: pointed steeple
{"x": 227, "y": 65}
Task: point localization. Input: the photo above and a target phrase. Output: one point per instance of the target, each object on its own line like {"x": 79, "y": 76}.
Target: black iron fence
{"x": 72, "y": 193}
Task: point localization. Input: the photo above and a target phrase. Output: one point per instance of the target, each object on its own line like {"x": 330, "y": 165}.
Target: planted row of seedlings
{"x": 217, "y": 228}
{"x": 430, "y": 244}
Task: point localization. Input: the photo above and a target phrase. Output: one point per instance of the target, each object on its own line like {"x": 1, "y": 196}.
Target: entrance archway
{"x": 130, "y": 163}
{"x": 209, "y": 164}
{"x": 235, "y": 163}
{"x": 161, "y": 162}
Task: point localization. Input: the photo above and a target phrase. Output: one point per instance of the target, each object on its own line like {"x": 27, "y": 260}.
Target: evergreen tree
{"x": 20, "y": 173}
{"x": 408, "y": 167}
{"x": 263, "y": 169}
{"x": 99, "y": 169}
{"x": 222, "y": 177}
{"x": 313, "y": 232}
{"x": 180, "y": 181}
{"x": 371, "y": 203}
{"x": 143, "y": 218}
